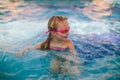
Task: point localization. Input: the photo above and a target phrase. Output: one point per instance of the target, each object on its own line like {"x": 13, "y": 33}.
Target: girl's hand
{"x": 20, "y": 53}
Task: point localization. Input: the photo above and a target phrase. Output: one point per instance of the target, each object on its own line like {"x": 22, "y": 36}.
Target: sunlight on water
{"x": 18, "y": 32}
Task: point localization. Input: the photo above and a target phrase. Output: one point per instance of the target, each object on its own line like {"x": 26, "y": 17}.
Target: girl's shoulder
{"x": 68, "y": 41}
{"x": 70, "y": 44}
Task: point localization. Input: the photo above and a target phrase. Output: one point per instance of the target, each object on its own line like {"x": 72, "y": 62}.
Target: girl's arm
{"x": 72, "y": 48}
{"x": 38, "y": 46}
{"x": 73, "y": 51}
{"x": 25, "y": 50}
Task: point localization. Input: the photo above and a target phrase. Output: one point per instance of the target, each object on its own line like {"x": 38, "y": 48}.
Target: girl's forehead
{"x": 63, "y": 24}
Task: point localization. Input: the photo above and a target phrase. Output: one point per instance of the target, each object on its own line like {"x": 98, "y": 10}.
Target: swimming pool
{"x": 95, "y": 31}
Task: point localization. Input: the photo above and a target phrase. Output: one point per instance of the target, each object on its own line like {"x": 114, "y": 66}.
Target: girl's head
{"x": 58, "y": 29}
{"x": 52, "y": 24}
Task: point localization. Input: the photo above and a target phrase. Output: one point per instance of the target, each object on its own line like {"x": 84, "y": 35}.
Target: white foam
{"x": 92, "y": 27}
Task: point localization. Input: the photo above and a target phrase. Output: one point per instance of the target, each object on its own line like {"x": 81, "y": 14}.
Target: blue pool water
{"x": 95, "y": 31}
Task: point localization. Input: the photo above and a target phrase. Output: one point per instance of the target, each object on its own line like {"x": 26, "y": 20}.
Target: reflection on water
{"x": 12, "y": 11}
{"x": 9, "y": 11}
{"x": 99, "y": 9}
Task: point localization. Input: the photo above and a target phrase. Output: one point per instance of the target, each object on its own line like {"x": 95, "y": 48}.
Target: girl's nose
{"x": 67, "y": 33}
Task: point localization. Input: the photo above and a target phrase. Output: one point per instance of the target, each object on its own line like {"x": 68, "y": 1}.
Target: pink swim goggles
{"x": 63, "y": 30}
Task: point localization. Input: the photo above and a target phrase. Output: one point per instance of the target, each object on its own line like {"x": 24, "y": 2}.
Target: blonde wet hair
{"x": 52, "y": 25}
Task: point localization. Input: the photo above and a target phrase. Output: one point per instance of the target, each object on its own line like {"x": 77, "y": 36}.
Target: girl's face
{"x": 63, "y": 29}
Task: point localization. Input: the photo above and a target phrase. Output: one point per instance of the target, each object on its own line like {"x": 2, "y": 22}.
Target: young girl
{"x": 57, "y": 40}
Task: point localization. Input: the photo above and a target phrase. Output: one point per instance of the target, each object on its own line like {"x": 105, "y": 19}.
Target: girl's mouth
{"x": 65, "y": 37}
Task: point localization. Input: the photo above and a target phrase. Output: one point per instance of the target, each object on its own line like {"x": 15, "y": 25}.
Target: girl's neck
{"x": 57, "y": 41}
